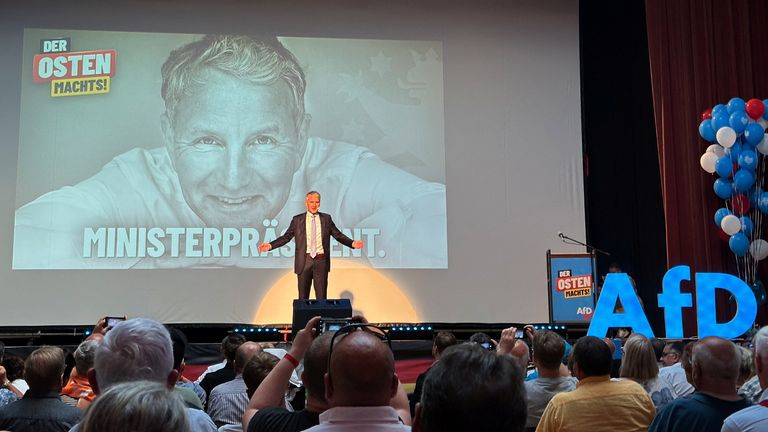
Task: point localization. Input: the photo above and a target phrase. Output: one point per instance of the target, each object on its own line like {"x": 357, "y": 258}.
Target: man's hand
{"x": 3, "y": 376}
{"x": 265, "y": 247}
{"x": 304, "y": 339}
{"x": 507, "y": 341}
{"x": 357, "y": 244}
{"x": 100, "y": 327}
{"x": 529, "y": 332}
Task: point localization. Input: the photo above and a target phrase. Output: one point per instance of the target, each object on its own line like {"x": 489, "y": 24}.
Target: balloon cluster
{"x": 737, "y": 153}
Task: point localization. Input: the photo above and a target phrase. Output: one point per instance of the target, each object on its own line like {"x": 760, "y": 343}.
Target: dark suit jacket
{"x": 298, "y": 229}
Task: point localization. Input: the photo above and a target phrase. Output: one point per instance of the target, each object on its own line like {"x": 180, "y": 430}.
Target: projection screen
{"x": 144, "y": 163}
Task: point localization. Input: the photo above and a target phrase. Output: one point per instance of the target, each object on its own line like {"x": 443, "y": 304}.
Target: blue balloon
{"x": 754, "y": 195}
{"x": 720, "y": 120}
{"x": 734, "y": 152}
{"x": 743, "y": 180}
{"x": 739, "y": 244}
{"x": 747, "y": 160}
{"x": 746, "y": 225}
{"x": 738, "y": 121}
{"x": 724, "y": 166}
{"x": 724, "y": 189}
{"x": 706, "y": 131}
{"x": 736, "y": 104}
{"x": 720, "y": 214}
{"x": 754, "y": 133}
{"x": 762, "y": 202}
{"x": 720, "y": 108}
{"x": 765, "y": 112}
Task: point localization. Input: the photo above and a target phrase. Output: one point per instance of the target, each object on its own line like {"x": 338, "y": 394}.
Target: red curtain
{"x": 702, "y": 52}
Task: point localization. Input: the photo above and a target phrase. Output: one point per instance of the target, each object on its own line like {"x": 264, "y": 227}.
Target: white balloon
{"x": 726, "y": 136}
{"x": 762, "y": 146}
{"x": 763, "y": 122}
{"x": 708, "y": 161}
{"x": 730, "y": 224}
{"x": 759, "y": 249}
{"x": 716, "y": 149}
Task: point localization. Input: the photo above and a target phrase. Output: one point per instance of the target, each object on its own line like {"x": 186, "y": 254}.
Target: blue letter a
{"x": 618, "y": 287}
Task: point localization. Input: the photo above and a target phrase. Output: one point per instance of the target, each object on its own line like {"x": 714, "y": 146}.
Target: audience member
{"x": 685, "y": 362}
{"x": 140, "y": 349}
{"x": 359, "y": 384}
{"x": 714, "y": 369}
{"x": 144, "y": 406}
{"x": 598, "y": 403}
{"x": 227, "y": 401}
{"x": 548, "y": 350}
{"x": 658, "y": 351}
{"x": 483, "y": 340}
{"x": 673, "y": 371}
{"x": 78, "y": 388}
{"x": 224, "y": 371}
{"x": 639, "y": 364}
{"x": 754, "y": 418}
{"x": 257, "y": 369}
{"x": 441, "y": 341}
{"x": 490, "y": 399}
{"x": 41, "y": 409}
{"x": 14, "y": 369}
{"x": 746, "y": 366}
{"x": 265, "y": 411}
{"x": 191, "y": 393}
{"x": 8, "y": 392}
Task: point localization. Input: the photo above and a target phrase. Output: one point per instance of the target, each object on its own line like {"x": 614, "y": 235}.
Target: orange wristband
{"x": 291, "y": 359}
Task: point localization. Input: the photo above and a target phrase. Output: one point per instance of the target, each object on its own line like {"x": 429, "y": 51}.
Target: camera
{"x": 520, "y": 334}
{"x": 332, "y": 324}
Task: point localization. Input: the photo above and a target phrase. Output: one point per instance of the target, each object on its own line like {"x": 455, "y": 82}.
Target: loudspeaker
{"x": 304, "y": 310}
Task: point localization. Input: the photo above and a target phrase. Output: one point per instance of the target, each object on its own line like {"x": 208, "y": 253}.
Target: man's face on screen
{"x": 235, "y": 146}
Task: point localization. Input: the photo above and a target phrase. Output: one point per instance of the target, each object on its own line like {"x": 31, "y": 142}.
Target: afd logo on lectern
{"x": 618, "y": 287}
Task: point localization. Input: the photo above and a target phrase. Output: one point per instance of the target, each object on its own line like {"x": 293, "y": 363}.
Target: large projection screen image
{"x": 145, "y": 160}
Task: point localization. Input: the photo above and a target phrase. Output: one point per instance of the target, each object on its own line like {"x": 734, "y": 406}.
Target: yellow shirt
{"x": 599, "y": 404}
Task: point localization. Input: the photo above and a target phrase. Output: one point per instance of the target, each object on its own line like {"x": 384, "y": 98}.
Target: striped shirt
{"x": 227, "y": 402}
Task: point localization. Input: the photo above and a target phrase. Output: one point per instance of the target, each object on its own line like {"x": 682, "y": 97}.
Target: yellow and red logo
{"x": 73, "y": 73}
{"x": 574, "y": 286}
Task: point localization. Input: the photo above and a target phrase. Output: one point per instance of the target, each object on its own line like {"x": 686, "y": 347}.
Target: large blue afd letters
{"x": 618, "y": 286}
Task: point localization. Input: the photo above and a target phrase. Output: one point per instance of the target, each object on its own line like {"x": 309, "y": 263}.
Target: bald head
{"x": 245, "y": 353}
{"x": 715, "y": 364}
{"x": 362, "y": 372}
{"x": 521, "y": 354}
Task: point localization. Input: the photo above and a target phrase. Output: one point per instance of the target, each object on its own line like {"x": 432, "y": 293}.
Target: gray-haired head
{"x": 84, "y": 355}
{"x": 258, "y": 60}
{"x": 760, "y": 340}
{"x": 137, "y": 406}
{"x": 136, "y": 349}
{"x": 312, "y": 192}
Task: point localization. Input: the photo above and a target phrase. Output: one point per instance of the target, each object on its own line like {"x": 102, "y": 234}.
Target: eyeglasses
{"x": 668, "y": 354}
{"x": 347, "y": 329}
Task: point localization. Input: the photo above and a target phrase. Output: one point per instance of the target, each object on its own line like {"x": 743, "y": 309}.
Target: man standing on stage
{"x": 313, "y": 231}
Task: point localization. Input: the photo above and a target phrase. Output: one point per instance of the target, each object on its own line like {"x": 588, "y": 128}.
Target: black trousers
{"x": 315, "y": 271}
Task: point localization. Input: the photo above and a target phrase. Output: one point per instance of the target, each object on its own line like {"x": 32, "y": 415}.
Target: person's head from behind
{"x": 316, "y": 366}
{"x": 639, "y": 361}
{"x": 443, "y": 340}
{"x": 548, "y": 350}
{"x": 84, "y": 355}
{"x": 145, "y": 406}
{"x": 685, "y": 361}
{"x": 44, "y": 369}
{"x": 14, "y": 368}
{"x": 470, "y": 389}
{"x": 134, "y": 350}
{"x": 746, "y": 365}
{"x": 362, "y": 371}
{"x": 257, "y": 369}
{"x": 715, "y": 365}
{"x": 672, "y": 353}
{"x": 590, "y": 356}
{"x": 245, "y": 353}
{"x": 482, "y": 339}
{"x": 658, "y": 348}
{"x": 179, "y": 344}
{"x": 760, "y": 340}
{"x": 230, "y": 344}
{"x": 234, "y": 126}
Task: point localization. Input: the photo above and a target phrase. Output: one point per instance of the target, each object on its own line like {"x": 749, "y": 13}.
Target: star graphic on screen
{"x": 381, "y": 64}
{"x": 352, "y": 85}
{"x": 353, "y": 132}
